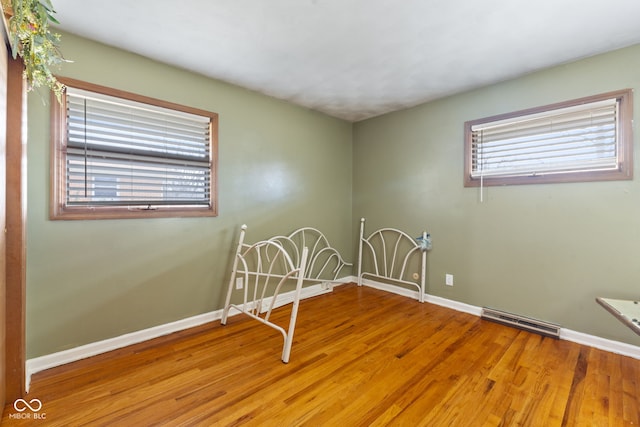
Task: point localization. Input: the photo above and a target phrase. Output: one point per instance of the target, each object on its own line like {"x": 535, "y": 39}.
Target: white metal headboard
{"x": 323, "y": 262}
{"x": 391, "y": 250}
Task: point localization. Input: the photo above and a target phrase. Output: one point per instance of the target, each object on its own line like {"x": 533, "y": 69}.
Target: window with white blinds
{"x": 587, "y": 139}
{"x": 133, "y": 154}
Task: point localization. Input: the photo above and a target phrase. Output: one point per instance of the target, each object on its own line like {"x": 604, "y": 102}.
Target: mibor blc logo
{"x": 28, "y": 410}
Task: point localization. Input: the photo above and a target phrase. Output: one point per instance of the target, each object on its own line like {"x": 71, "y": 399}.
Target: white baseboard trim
{"x": 565, "y": 334}
{"x": 455, "y": 305}
{"x": 48, "y": 361}
{"x": 444, "y": 302}
{"x": 601, "y": 343}
{"x": 42, "y": 363}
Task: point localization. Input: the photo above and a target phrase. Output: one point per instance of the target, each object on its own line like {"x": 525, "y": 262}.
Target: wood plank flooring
{"x": 361, "y": 357}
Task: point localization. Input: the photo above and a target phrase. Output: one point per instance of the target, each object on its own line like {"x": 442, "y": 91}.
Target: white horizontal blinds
{"x": 578, "y": 138}
{"x": 122, "y": 152}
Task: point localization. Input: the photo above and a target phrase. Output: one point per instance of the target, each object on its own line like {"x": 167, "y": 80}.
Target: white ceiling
{"x": 356, "y": 59}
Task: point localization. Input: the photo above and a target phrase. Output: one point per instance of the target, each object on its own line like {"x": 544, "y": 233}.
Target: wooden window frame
{"x": 625, "y": 135}
{"x": 59, "y": 210}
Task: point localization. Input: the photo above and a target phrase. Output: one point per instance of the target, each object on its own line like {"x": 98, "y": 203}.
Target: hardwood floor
{"x": 360, "y": 357}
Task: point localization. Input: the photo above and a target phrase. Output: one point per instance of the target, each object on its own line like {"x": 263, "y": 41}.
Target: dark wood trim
{"x": 15, "y": 230}
{"x": 3, "y": 211}
{"x": 57, "y": 208}
{"x": 79, "y": 84}
{"x": 56, "y": 182}
{"x": 625, "y": 172}
{"x": 57, "y": 179}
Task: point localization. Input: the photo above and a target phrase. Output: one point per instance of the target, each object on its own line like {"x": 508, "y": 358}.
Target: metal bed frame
{"x": 391, "y": 251}
{"x": 260, "y": 271}
{"x": 325, "y": 262}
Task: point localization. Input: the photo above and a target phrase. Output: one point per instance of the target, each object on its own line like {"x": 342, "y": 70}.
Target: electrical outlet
{"x": 448, "y": 279}
{"x": 239, "y": 283}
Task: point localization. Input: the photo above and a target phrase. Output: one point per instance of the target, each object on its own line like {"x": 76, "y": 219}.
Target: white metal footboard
{"x": 391, "y": 252}
{"x": 262, "y": 269}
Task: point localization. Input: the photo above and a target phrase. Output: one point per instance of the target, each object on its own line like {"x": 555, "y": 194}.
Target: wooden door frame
{"x": 3, "y": 212}
{"x": 16, "y": 212}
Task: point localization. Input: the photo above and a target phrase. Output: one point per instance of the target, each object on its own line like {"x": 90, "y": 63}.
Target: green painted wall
{"x": 544, "y": 251}
{"x": 280, "y": 167}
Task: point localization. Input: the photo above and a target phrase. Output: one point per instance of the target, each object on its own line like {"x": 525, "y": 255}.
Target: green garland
{"x": 32, "y": 40}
